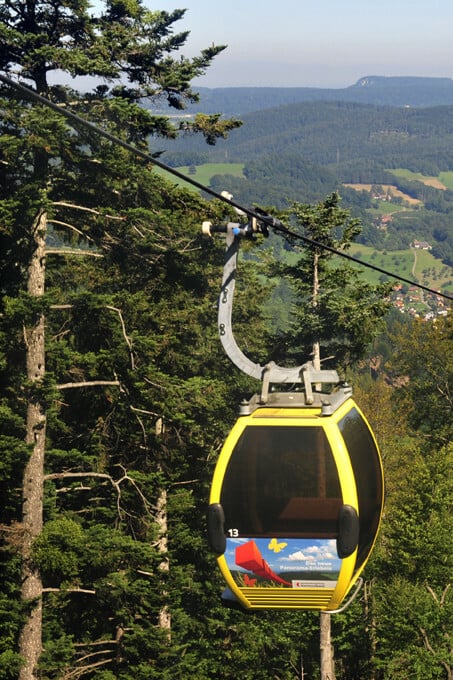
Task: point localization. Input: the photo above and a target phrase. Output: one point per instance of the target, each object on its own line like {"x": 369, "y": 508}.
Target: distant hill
{"x": 342, "y": 135}
{"x": 386, "y": 91}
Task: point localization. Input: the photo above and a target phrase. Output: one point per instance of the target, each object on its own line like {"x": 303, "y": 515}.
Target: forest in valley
{"x": 116, "y": 395}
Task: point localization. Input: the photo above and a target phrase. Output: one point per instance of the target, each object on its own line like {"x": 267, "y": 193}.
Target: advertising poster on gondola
{"x": 288, "y": 562}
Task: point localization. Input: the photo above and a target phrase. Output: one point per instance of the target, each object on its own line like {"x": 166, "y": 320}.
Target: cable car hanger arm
{"x": 270, "y": 372}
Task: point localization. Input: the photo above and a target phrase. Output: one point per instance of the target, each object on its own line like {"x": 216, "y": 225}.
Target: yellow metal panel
{"x": 224, "y": 458}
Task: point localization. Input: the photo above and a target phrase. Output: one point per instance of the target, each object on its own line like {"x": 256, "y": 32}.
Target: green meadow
{"x": 203, "y": 173}
{"x": 443, "y": 179}
{"x": 416, "y": 265}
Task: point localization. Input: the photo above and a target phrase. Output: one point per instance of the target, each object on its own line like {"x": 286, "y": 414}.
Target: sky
{"x": 323, "y": 43}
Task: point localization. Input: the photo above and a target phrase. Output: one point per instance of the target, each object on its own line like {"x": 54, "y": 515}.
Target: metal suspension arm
{"x": 271, "y": 372}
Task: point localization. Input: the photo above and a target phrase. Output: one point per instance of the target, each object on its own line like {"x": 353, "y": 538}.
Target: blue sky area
{"x": 300, "y": 43}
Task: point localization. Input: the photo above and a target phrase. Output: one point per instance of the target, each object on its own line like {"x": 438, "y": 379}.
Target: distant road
{"x": 414, "y": 266}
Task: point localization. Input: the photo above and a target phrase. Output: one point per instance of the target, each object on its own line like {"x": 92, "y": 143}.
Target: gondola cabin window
{"x": 281, "y": 480}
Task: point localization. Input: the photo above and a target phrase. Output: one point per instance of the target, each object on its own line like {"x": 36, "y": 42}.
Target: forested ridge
{"x": 380, "y": 90}
{"x": 115, "y": 395}
{"x": 332, "y": 133}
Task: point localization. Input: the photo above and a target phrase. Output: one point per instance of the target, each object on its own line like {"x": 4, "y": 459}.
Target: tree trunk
{"x": 326, "y": 647}
{"x": 314, "y": 302}
{"x": 30, "y": 642}
{"x": 161, "y": 519}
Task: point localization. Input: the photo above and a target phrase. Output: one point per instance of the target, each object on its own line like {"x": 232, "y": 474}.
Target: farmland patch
{"x": 390, "y": 189}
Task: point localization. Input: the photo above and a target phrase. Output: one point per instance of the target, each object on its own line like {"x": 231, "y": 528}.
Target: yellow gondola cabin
{"x": 295, "y": 503}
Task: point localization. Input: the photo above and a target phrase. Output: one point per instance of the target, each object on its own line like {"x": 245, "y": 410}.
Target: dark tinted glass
{"x": 281, "y": 481}
{"x": 367, "y": 470}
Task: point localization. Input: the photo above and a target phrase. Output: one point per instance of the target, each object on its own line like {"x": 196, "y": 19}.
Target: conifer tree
{"x": 331, "y": 304}
{"x": 334, "y": 314}
{"x": 87, "y": 384}
{"x": 414, "y": 600}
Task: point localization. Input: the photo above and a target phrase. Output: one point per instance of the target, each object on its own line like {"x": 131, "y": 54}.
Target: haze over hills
{"x": 381, "y": 90}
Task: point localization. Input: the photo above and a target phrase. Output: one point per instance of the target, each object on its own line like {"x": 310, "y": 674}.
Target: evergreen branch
{"x": 123, "y": 327}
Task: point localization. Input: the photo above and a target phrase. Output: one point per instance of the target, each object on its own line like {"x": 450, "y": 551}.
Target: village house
{"x": 421, "y": 245}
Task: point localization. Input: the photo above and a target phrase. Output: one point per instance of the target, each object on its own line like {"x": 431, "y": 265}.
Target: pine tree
{"x": 414, "y": 601}
{"x": 331, "y": 305}
{"x": 89, "y": 239}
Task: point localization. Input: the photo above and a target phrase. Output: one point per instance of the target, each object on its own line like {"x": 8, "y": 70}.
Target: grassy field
{"x": 447, "y": 179}
{"x": 443, "y": 181}
{"x": 390, "y": 188}
{"x": 203, "y": 173}
{"x": 416, "y": 265}
{"x": 381, "y": 208}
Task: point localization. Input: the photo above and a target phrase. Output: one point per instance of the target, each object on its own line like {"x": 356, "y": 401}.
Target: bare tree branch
{"x": 115, "y": 483}
{"x": 69, "y": 590}
{"x": 72, "y": 228}
{"x": 123, "y": 326}
{"x": 69, "y": 251}
{"x": 89, "y": 210}
{"x": 444, "y": 594}
{"x": 125, "y": 335}
{"x": 95, "y": 643}
{"x": 79, "y": 672}
{"x": 147, "y": 413}
{"x": 87, "y": 383}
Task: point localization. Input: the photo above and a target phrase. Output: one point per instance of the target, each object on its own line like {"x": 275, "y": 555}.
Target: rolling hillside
{"x": 339, "y": 135}
{"x": 380, "y": 90}
{"x": 304, "y": 151}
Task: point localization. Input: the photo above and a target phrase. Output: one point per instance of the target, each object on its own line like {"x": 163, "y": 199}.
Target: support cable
{"x": 255, "y": 214}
